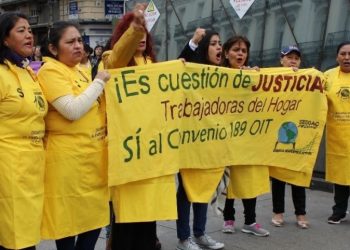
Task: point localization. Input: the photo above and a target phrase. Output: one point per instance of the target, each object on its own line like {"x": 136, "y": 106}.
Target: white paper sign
{"x": 241, "y": 6}
{"x": 151, "y": 15}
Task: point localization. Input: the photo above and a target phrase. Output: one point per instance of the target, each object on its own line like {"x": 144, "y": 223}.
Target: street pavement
{"x": 320, "y": 235}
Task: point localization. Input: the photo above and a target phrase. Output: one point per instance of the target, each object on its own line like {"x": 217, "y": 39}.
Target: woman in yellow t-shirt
{"x": 137, "y": 205}
{"x": 247, "y": 182}
{"x": 22, "y": 128}
{"x": 76, "y": 189}
{"x": 338, "y": 132}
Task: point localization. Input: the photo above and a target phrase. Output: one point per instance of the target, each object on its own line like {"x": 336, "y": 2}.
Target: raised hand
{"x": 198, "y": 35}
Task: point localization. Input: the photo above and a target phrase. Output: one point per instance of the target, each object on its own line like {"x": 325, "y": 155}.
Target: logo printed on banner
{"x": 241, "y": 6}
{"x": 151, "y": 15}
{"x": 308, "y": 124}
{"x": 287, "y": 134}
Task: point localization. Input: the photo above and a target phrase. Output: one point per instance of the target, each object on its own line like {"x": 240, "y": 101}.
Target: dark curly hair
{"x": 120, "y": 29}
{"x": 227, "y": 46}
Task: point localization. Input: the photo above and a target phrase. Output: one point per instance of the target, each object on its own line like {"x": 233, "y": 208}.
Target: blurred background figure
{"x": 97, "y": 55}
{"x": 37, "y": 58}
{"x": 85, "y": 63}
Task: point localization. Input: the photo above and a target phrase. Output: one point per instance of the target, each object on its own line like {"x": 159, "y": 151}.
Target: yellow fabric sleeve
{"x": 123, "y": 50}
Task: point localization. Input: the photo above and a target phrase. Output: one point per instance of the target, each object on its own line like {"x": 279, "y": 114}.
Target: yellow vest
{"x": 22, "y": 111}
{"x": 200, "y": 184}
{"x": 293, "y": 177}
{"x": 338, "y": 127}
{"x": 248, "y": 181}
{"x": 76, "y": 189}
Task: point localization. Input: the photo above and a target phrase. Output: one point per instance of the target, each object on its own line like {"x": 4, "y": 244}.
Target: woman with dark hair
{"x": 76, "y": 188}
{"x": 22, "y": 128}
{"x": 96, "y": 60}
{"x": 137, "y": 205}
{"x": 97, "y": 55}
{"x": 337, "y": 133}
{"x": 246, "y": 182}
{"x": 205, "y": 48}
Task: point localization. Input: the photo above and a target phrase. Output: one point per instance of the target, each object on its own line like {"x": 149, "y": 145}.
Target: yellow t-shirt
{"x": 86, "y": 68}
{"x": 338, "y": 127}
{"x": 22, "y": 111}
{"x": 76, "y": 189}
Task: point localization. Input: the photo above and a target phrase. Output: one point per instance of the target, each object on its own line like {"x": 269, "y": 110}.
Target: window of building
{"x": 280, "y": 32}
{"x": 319, "y": 24}
{"x": 244, "y": 31}
{"x": 181, "y": 12}
{"x": 291, "y": 20}
{"x": 33, "y": 12}
{"x": 200, "y": 9}
{"x": 258, "y": 39}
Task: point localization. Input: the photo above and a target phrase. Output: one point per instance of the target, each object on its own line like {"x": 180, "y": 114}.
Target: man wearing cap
{"x": 290, "y": 57}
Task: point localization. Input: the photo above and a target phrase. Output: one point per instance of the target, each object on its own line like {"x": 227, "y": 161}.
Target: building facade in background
{"x": 316, "y": 26}
{"x": 95, "y": 25}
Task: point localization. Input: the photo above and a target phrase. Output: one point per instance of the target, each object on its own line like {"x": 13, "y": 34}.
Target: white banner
{"x": 241, "y": 6}
{"x": 151, "y": 15}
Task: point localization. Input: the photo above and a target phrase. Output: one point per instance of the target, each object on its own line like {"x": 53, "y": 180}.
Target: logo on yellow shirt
{"x": 39, "y": 101}
{"x": 344, "y": 93}
{"x": 20, "y": 92}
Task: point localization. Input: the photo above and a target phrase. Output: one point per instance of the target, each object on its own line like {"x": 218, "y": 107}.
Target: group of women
{"x": 53, "y": 147}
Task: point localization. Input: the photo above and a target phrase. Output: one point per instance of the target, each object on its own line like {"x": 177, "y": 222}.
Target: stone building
{"x": 90, "y": 14}
{"x": 316, "y": 26}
